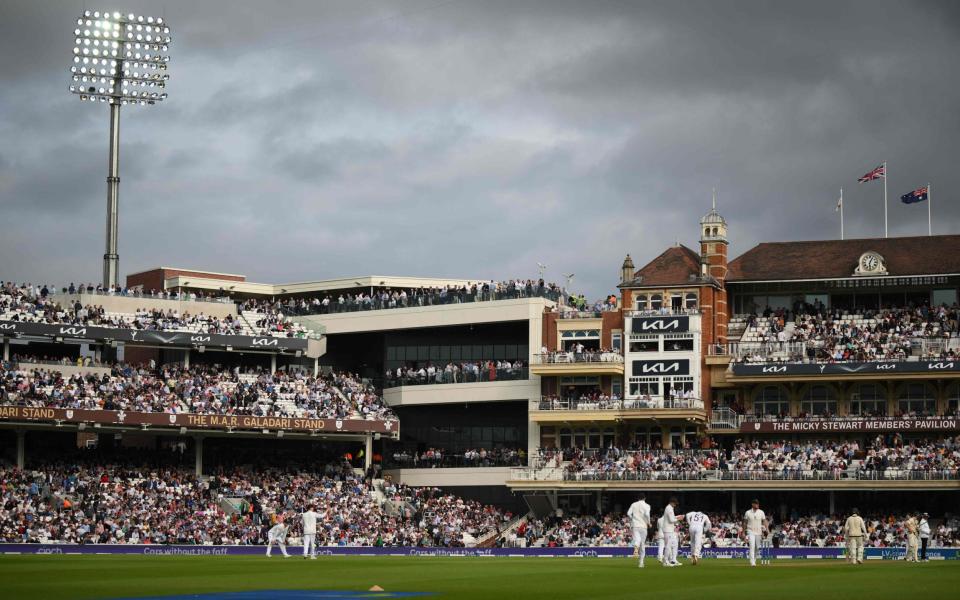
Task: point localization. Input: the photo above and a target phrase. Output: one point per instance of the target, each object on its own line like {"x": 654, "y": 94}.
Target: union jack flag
{"x": 917, "y": 195}
{"x": 877, "y": 173}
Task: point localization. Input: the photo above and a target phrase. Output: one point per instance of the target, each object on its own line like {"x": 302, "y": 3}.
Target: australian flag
{"x": 917, "y": 195}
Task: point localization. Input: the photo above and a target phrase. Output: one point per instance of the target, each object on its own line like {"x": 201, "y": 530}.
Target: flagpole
{"x": 886, "y": 230}
{"x": 929, "y": 210}
{"x": 841, "y": 212}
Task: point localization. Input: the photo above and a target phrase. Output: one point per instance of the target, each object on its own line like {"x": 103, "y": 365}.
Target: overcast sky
{"x": 311, "y": 139}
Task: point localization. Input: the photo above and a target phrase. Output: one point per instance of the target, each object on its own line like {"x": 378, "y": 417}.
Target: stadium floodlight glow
{"x": 121, "y": 60}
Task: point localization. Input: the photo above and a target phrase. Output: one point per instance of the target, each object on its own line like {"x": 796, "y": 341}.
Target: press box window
{"x": 645, "y": 346}
{"x": 679, "y": 345}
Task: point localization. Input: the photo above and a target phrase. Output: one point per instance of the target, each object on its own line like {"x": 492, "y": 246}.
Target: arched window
{"x": 656, "y": 302}
{"x": 609, "y": 438}
{"x": 771, "y": 400}
{"x": 580, "y": 438}
{"x": 819, "y": 400}
{"x": 566, "y": 438}
{"x": 917, "y": 399}
{"x": 953, "y": 399}
{"x": 593, "y": 439}
{"x": 869, "y": 400}
{"x": 690, "y": 301}
{"x": 642, "y": 302}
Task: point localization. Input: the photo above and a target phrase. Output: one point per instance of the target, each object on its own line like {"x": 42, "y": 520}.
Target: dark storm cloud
{"x": 305, "y": 140}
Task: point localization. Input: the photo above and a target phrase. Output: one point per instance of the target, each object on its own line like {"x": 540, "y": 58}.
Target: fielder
{"x": 310, "y": 532}
{"x": 698, "y": 523}
{"x": 660, "y": 542}
{"x": 670, "y": 538}
{"x": 855, "y": 530}
{"x": 639, "y": 514}
{"x": 278, "y": 535}
{"x": 755, "y": 528}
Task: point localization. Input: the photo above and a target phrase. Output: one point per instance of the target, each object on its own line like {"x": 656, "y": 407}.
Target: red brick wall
{"x": 549, "y": 332}
{"x": 154, "y": 278}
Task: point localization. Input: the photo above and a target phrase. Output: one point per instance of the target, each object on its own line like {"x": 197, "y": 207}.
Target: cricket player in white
{"x": 660, "y": 540}
{"x": 310, "y": 532}
{"x": 698, "y": 523}
{"x": 670, "y": 538}
{"x": 755, "y": 527}
{"x": 639, "y": 514}
{"x": 278, "y": 535}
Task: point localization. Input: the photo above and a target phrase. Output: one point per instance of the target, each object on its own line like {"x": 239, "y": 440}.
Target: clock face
{"x": 870, "y": 262}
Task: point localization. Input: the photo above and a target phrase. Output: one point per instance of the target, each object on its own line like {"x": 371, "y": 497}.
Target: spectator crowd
{"x": 813, "y": 333}
{"x": 80, "y": 502}
{"x": 893, "y": 458}
{"x": 455, "y": 372}
{"x": 27, "y": 304}
{"x": 198, "y": 390}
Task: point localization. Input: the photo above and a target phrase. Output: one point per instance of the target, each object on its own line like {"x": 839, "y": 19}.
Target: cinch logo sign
{"x": 658, "y": 324}
{"x": 661, "y": 367}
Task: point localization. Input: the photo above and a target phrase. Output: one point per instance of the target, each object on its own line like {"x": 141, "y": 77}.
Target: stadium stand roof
{"x": 837, "y": 259}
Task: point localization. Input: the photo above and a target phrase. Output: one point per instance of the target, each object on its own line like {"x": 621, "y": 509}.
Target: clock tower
{"x": 713, "y": 267}
{"x": 713, "y": 244}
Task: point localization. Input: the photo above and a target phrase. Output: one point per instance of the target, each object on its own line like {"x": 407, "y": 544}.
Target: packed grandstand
{"x": 508, "y": 413}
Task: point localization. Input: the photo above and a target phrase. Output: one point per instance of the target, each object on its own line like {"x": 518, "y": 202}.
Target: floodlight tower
{"x": 118, "y": 59}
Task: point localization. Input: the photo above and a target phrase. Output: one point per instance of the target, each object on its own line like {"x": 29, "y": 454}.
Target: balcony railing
{"x": 418, "y": 299}
{"x": 664, "y": 312}
{"x": 484, "y": 375}
{"x": 613, "y": 404}
{"x": 816, "y": 352}
{"x": 449, "y": 461}
{"x": 878, "y": 421}
{"x": 563, "y": 357}
{"x": 725, "y": 418}
{"x": 582, "y": 314}
{"x": 719, "y": 475}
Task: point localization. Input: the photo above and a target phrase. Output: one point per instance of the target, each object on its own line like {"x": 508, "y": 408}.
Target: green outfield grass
{"x": 58, "y": 577}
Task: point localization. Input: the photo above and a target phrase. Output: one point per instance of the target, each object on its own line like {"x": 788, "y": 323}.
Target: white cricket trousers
{"x": 640, "y": 541}
{"x": 696, "y": 543}
{"x": 753, "y": 547}
{"x": 310, "y": 544}
{"x": 280, "y": 543}
{"x": 671, "y": 541}
{"x": 660, "y": 549}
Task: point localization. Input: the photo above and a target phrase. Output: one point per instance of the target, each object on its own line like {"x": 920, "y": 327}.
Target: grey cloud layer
{"x": 305, "y": 140}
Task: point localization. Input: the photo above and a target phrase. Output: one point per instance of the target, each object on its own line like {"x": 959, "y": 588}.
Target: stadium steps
{"x": 489, "y": 540}
{"x": 377, "y": 492}
{"x": 231, "y": 506}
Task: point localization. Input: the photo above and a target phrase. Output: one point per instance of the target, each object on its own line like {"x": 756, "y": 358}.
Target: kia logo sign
{"x": 266, "y": 342}
{"x": 8, "y": 326}
{"x": 199, "y": 338}
{"x": 73, "y": 330}
{"x": 661, "y": 367}
{"x": 774, "y": 369}
{"x": 661, "y": 324}
{"x": 940, "y": 365}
